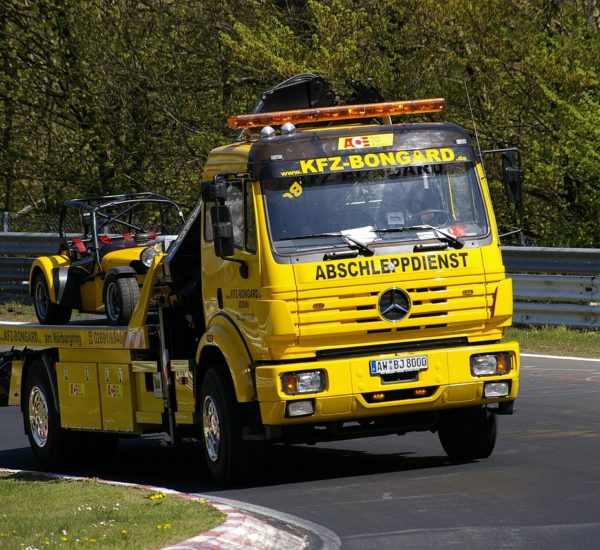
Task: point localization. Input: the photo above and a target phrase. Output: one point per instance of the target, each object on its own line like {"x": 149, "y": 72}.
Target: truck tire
{"x": 47, "y": 439}
{"x": 221, "y": 429}
{"x": 467, "y": 434}
{"x": 47, "y": 312}
{"x": 120, "y": 297}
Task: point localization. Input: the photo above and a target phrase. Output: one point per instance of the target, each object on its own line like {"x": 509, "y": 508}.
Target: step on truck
{"x": 340, "y": 277}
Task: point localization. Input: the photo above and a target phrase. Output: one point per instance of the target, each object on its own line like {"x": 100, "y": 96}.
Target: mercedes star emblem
{"x": 394, "y": 304}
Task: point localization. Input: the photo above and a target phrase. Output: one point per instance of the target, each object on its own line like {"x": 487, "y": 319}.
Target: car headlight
{"x": 149, "y": 254}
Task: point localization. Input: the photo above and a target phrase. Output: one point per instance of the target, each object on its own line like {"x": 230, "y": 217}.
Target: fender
{"x": 55, "y": 270}
{"x": 120, "y": 271}
{"x": 224, "y": 335}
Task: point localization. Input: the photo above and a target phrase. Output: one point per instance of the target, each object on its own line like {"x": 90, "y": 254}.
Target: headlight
{"x": 496, "y": 389}
{"x": 306, "y": 407}
{"x": 309, "y": 381}
{"x": 490, "y": 364}
{"x": 149, "y": 254}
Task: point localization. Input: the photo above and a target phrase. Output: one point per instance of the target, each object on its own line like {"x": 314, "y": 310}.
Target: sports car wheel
{"x": 47, "y": 312}
{"x": 120, "y": 297}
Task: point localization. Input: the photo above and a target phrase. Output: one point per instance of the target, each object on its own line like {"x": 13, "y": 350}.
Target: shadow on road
{"x": 146, "y": 461}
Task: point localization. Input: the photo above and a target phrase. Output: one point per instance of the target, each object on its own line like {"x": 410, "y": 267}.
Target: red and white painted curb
{"x": 240, "y": 531}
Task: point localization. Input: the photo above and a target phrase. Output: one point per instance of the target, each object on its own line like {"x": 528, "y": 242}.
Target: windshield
{"x": 376, "y": 206}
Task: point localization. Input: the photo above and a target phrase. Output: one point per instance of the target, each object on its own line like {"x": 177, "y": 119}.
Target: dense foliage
{"x": 102, "y": 96}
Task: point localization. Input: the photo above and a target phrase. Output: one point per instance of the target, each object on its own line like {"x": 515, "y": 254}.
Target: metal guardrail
{"x": 572, "y": 261}
{"x": 552, "y": 286}
{"x": 17, "y": 252}
{"x": 555, "y": 286}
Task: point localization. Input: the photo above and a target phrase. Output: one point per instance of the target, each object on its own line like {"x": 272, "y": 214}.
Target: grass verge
{"x": 42, "y": 512}
{"x": 16, "y": 311}
{"x": 557, "y": 341}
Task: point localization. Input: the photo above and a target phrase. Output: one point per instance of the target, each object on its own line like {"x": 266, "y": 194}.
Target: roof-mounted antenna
{"x": 474, "y": 125}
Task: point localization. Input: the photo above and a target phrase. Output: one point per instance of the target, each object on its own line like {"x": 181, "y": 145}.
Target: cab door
{"x": 232, "y": 283}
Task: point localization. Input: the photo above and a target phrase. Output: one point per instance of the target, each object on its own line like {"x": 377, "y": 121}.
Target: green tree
{"x": 108, "y": 96}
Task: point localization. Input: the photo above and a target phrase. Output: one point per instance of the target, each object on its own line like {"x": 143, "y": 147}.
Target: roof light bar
{"x": 344, "y": 112}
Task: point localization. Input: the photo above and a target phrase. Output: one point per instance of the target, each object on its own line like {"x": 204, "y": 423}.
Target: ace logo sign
{"x": 364, "y": 142}
{"x": 357, "y": 142}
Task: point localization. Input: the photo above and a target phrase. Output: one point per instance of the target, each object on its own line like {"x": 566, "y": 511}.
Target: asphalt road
{"x": 540, "y": 488}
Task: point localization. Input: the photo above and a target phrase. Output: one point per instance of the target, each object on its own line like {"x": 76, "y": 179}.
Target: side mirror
{"x": 214, "y": 191}
{"x": 512, "y": 175}
{"x": 222, "y": 231}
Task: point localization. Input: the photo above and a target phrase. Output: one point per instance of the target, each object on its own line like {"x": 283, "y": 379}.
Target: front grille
{"x": 457, "y": 302}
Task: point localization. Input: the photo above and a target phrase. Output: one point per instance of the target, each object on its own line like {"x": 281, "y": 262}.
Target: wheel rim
{"x": 212, "y": 428}
{"x": 41, "y": 300}
{"x": 38, "y": 416}
{"x": 113, "y": 307}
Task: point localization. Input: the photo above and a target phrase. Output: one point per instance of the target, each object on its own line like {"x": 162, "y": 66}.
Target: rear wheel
{"x": 42, "y": 421}
{"x": 47, "y": 312}
{"x": 467, "y": 434}
{"x": 120, "y": 297}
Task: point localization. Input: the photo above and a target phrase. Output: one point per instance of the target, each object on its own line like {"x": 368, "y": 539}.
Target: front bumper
{"x": 352, "y": 393}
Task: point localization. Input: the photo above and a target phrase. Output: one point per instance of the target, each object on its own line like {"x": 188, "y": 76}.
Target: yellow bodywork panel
{"x": 148, "y": 389}
{"x": 503, "y": 299}
{"x": 16, "y": 375}
{"x": 117, "y": 397}
{"x": 184, "y": 386}
{"x": 229, "y": 158}
{"x": 73, "y": 337}
{"x": 79, "y": 395}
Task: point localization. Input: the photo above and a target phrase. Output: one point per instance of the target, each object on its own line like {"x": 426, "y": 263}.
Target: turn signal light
{"x": 503, "y": 365}
{"x": 344, "y": 112}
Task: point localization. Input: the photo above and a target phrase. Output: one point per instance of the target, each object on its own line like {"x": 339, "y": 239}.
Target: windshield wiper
{"x": 364, "y": 248}
{"x": 439, "y": 234}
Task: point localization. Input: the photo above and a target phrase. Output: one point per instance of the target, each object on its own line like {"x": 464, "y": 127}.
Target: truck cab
{"x": 352, "y": 281}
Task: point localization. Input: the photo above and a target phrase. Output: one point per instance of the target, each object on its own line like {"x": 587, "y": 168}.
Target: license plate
{"x": 391, "y": 365}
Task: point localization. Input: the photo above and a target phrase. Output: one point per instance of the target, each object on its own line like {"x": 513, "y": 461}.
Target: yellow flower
{"x": 163, "y": 526}
{"x": 157, "y": 496}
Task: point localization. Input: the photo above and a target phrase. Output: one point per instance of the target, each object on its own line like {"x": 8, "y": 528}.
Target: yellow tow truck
{"x": 339, "y": 277}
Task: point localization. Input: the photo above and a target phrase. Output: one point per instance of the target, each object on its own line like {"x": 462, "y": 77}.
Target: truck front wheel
{"x": 467, "y": 434}
{"x": 42, "y": 421}
{"x": 221, "y": 428}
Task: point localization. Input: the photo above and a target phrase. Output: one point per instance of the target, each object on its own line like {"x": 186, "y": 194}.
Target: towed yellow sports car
{"x": 106, "y": 246}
